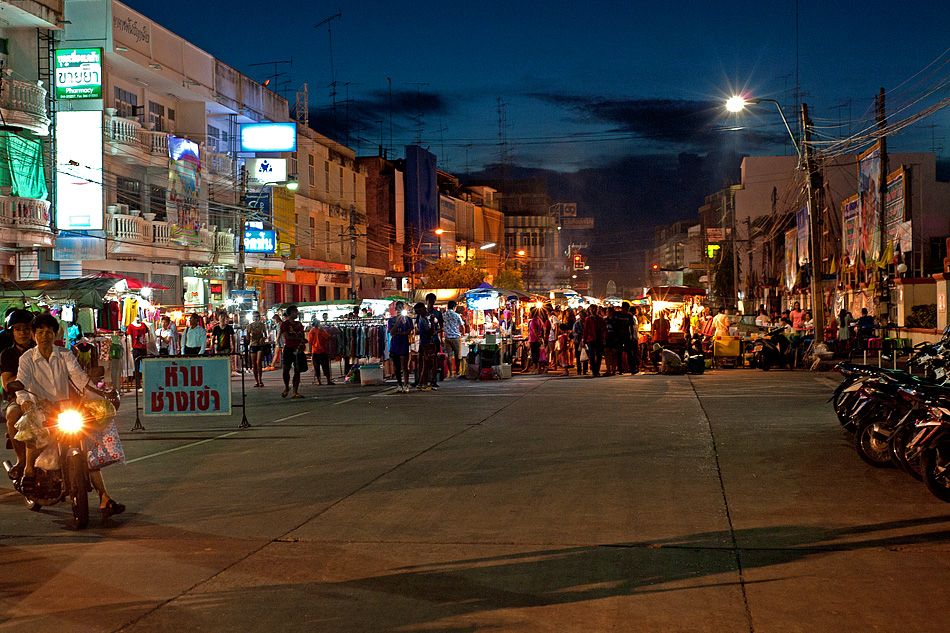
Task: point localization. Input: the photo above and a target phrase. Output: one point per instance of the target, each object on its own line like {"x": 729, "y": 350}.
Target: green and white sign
{"x": 79, "y": 73}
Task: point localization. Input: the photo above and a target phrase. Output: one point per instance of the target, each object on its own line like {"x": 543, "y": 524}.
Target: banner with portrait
{"x": 895, "y": 207}
{"x": 791, "y": 258}
{"x": 184, "y": 185}
{"x": 869, "y": 195}
{"x": 804, "y": 231}
{"x": 851, "y": 229}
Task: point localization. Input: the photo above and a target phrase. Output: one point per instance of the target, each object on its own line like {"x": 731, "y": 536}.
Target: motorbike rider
{"x": 46, "y": 371}
{"x": 18, "y": 325}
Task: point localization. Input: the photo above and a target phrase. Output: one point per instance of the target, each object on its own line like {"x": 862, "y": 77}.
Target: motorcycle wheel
{"x": 764, "y": 363}
{"x": 78, "y": 489}
{"x": 843, "y": 405}
{"x": 31, "y": 504}
{"x": 935, "y": 464}
{"x": 873, "y": 451}
{"x": 910, "y": 464}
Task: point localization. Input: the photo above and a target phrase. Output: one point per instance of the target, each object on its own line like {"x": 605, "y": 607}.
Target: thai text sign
{"x": 185, "y": 386}
{"x": 78, "y": 73}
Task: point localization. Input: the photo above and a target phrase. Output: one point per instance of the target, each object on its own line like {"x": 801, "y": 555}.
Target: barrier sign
{"x": 186, "y": 386}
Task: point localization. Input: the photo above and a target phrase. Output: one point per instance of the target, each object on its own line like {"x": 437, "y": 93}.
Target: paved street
{"x": 725, "y": 502}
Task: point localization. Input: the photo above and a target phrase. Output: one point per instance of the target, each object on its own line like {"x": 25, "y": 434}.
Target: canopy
{"x": 664, "y": 293}
{"x": 501, "y": 291}
{"x": 85, "y": 292}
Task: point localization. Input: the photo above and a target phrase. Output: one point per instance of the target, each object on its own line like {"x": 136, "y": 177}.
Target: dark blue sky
{"x": 582, "y": 83}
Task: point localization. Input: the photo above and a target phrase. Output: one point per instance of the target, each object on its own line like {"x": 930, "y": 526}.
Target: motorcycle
{"x": 62, "y": 468}
{"x": 772, "y": 350}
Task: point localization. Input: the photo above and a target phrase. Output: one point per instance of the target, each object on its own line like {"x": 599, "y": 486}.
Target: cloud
{"x": 362, "y": 115}
{"x": 694, "y": 125}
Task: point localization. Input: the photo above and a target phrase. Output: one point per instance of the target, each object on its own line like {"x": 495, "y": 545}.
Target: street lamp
{"x": 485, "y": 247}
{"x": 738, "y": 103}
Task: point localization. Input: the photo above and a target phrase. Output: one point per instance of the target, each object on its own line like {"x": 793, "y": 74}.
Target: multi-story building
{"x": 26, "y": 183}
{"x": 165, "y": 203}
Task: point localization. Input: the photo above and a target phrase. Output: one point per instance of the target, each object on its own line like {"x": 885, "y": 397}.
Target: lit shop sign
{"x": 79, "y": 170}
{"x": 260, "y": 241}
{"x": 78, "y": 73}
{"x": 269, "y": 137}
{"x": 266, "y": 170}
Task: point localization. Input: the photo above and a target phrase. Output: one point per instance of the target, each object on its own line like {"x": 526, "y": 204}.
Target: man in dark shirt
{"x": 626, "y": 332}
{"x": 18, "y": 323}
{"x": 223, "y": 335}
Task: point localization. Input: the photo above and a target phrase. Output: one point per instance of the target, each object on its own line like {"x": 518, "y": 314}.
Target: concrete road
{"x": 731, "y": 501}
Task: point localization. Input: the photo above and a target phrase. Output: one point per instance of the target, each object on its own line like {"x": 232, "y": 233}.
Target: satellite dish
{"x": 611, "y": 288}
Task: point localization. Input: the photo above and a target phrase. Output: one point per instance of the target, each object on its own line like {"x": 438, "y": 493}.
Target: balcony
{"x": 217, "y": 164}
{"x": 148, "y": 240}
{"x": 130, "y": 142}
{"x": 24, "y": 105}
{"x": 25, "y": 221}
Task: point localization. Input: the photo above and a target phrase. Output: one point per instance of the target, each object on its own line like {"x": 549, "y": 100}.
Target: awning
{"x": 86, "y": 292}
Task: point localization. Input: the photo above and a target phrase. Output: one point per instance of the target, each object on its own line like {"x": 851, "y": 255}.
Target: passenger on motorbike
{"x": 18, "y": 325}
{"x": 45, "y": 372}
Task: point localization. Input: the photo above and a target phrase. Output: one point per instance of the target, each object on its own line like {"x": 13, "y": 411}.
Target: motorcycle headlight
{"x": 70, "y": 421}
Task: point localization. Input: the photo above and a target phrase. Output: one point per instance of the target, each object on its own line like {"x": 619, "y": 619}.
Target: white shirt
{"x": 48, "y": 379}
{"x": 554, "y": 324}
{"x": 195, "y": 337}
{"x": 168, "y": 338}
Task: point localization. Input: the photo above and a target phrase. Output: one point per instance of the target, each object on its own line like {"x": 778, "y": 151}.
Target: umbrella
{"x": 394, "y": 298}
{"x": 133, "y": 283}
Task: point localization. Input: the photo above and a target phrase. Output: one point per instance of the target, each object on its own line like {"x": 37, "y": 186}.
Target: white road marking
{"x": 347, "y": 400}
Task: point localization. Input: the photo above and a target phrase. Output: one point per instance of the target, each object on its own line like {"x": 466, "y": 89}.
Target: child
{"x": 564, "y": 348}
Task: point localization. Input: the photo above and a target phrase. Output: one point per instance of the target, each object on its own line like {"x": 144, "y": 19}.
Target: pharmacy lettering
{"x": 183, "y": 386}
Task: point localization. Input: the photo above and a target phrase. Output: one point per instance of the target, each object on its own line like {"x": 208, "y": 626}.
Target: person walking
{"x": 427, "y": 333}
{"x": 535, "y": 338}
{"x": 551, "y": 332}
{"x": 626, "y": 332}
{"x": 276, "y": 358}
{"x": 454, "y": 328}
{"x": 437, "y": 321}
{"x": 257, "y": 338}
{"x": 400, "y": 327}
{"x": 577, "y": 332}
{"x": 319, "y": 340}
{"x": 595, "y": 336}
{"x": 612, "y": 344}
{"x": 295, "y": 357}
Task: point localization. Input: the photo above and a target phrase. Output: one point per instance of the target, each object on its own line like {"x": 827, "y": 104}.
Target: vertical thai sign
{"x": 791, "y": 258}
{"x": 851, "y": 229}
{"x": 894, "y": 204}
{"x": 185, "y": 386}
{"x": 804, "y": 231}
{"x": 184, "y": 185}
{"x": 869, "y": 196}
{"x": 78, "y": 73}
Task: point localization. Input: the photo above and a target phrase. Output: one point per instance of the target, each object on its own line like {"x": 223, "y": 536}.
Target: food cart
{"x": 681, "y": 305}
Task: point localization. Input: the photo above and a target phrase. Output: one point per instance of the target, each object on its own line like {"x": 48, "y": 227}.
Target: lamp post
{"x": 736, "y": 104}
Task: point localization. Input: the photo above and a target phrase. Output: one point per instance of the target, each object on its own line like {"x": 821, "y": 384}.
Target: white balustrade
{"x": 224, "y": 242}
{"x": 23, "y": 96}
{"x": 129, "y": 228}
{"x": 155, "y": 142}
{"x": 124, "y": 130}
{"x": 26, "y": 213}
{"x": 161, "y": 232}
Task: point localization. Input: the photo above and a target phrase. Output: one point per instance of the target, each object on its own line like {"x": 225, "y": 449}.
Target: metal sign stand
{"x": 138, "y": 426}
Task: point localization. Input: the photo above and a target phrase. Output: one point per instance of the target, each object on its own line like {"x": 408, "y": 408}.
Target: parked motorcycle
{"x": 772, "y": 350}
{"x": 62, "y": 468}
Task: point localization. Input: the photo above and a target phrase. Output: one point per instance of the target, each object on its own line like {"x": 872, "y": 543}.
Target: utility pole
{"x": 813, "y": 180}
{"x": 735, "y": 251}
{"x": 882, "y": 126}
{"x": 352, "y": 232}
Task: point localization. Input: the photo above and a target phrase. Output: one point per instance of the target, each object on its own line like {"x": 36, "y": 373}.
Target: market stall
{"x": 680, "y": 304}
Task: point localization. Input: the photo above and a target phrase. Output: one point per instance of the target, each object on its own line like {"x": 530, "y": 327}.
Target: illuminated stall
{"x": 679, "y": 303}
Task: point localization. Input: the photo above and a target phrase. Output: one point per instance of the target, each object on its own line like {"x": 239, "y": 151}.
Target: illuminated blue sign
{"x": 269, "y": 137}
{"x": 260, "y": 241}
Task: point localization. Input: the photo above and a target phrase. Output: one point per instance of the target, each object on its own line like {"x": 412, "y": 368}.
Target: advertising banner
{"x": 184, "y": 184}
{"x": 804, "y": 231}
{"x": 79, "y": 170}
{"x": 260, "y": 204}
{"x": 894, "y": 205}
{"x": 791, "y": 258}
{"x": 869, "y": 194}
{"x": 186, "y": 386}
{"x": 77, "y": 248}
{"x": 256, "y": 241}
{"x": 851, "y": 228}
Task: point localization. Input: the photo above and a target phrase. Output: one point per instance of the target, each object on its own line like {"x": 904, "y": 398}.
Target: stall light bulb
{"x": 405, "y": 312}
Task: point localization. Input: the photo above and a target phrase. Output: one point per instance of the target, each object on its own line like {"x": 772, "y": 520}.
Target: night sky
{"x": 619, "y": 104}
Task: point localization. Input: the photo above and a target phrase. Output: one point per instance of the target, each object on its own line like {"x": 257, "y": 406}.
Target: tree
{"x": 447, "y": 273}
{"x": 509, "y": 279}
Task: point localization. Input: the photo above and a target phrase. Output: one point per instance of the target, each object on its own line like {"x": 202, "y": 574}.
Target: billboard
{"x": 182, "y": 195}
{"x": 78, "y": 73}
{"x": 261, "y": 171}
{"x": 869, "y": 197}
{"x": 422, "y": 199}
{"x": 895, "y": 208}
{"x": 259, "y": 202}
{"x": 256, "y": 241}
{"x": 269, "y": 137}
{"x": 77, "y": 248}
{"x": 801, "y": 219}
{"x": 79, "y": 170}
{"x": 851, "y": 229}
{"x": 791, "y": 258}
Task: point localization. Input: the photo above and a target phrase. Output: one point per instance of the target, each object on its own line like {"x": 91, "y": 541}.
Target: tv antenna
{"x": 329, "y": 24}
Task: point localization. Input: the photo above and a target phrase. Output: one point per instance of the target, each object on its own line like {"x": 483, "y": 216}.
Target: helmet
{"x": 19, "y": 316}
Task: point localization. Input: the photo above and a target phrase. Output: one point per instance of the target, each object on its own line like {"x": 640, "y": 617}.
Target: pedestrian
{"x": 661, "y": 328}
{"x": 293, "y": 344}
{"x": 140, "y": 337}
{"x": 564, "y": 348}
{"x": 276, "y": 340}
{"x": 223, "y": 335}
{"x": 438, "y": 324}
{"x": 721, "y": 323}
{"x": 454, "y": 328}
{"x": 318, "y": 339}
{"x": 580, "y": 352}
{"x": 612, "y": 343}
{"x": 426, "y": 330}
{"x": 626, "y": 326}
{"x": 257, "y": 338}
{"x": 195, "y": 338}
{"x": 535, "y": 338}
{"x": 595, "y": 336}
{"x": 400, "y": 327}
{"x": 167, "y": 336}
{"x": 552, "y": 333}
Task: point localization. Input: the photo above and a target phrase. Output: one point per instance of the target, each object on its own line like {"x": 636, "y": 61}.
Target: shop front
{"x": 206, "y": 288}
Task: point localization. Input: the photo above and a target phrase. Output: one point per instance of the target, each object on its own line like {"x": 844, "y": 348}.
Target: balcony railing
{"x": 155, "y": 142}
{"x": 216, "y": 163}
{"x": 25, "y": 213}
{"x": 131, "y": 228}
{"x": 131, "y": 132}
{"x": 224, "y": 242}
{"x": 24, "y": 96}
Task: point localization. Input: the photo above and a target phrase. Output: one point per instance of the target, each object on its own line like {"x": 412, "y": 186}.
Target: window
{"x": 341, "y": 181}
{"x": 336, "y": 293}
{"x": 541, "y": 240}
{"x": 312, "y": 223}
{"x": 214, "y": 135}
{"x": 296, "y": 218}
{"x": 156, "y": 116}
{"x": 525, "y": 240}
{"x": 310, "y": 160}
{"x": 126, "y": 103}
{"x": 171, "y": 117}
{"x": 354, "y": 184}
{"x": 128, "y": 192}
{"x": 323, "y": 293}
{"x": 534, "y": 239}
{"x": 156, "y": 202}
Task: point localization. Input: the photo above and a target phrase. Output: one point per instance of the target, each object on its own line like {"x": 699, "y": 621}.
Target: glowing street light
{"x": 439, "y": 231}
{"x": 485, "y": 247}
{"x": 738, "y": 103}
{"x": 521, "y": 253}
